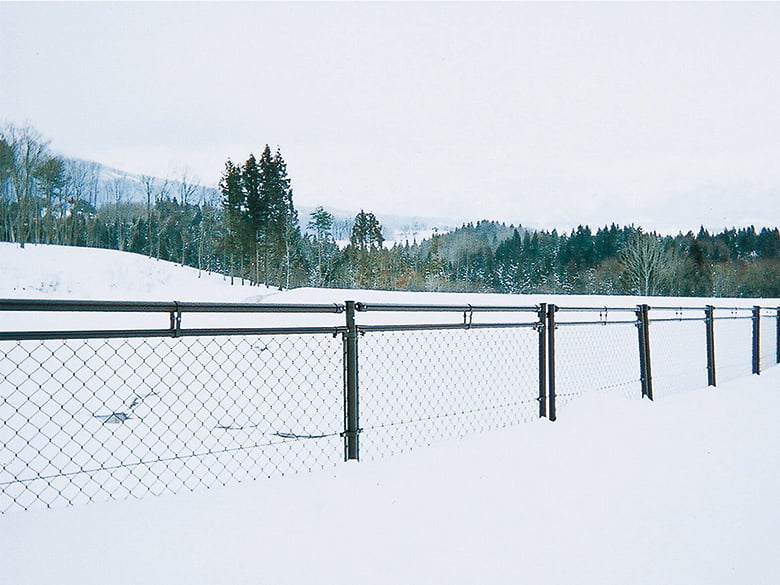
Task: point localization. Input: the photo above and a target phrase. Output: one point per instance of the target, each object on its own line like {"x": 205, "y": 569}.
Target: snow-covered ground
{"x": 678, "y": 491}
{"x": 681, "y": 491}
{"x": 60, "y": 272}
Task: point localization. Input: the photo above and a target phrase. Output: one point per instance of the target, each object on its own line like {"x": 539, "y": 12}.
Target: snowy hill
{"x": 680, "y": 491}
{"x": 59, "y": 272}
{"x": 64, "y": 272}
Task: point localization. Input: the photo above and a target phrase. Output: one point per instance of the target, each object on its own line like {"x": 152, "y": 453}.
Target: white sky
{"x": 546, "y": 114}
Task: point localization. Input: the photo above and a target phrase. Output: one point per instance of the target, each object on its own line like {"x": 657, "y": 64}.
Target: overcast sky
{"x": 665, "y": 115}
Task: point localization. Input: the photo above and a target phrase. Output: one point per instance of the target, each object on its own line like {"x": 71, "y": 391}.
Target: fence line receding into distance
{"x": 108, "y": 399}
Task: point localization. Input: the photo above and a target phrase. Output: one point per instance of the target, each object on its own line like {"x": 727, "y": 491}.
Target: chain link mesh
{"x": 678, "y": 355}
{"x": 420, "y": 387}
{"x": 90, "y": 420}
{"x": 596, "y": 358}
{"x": 733, "y": 348}
{"x": 768, "y": 339}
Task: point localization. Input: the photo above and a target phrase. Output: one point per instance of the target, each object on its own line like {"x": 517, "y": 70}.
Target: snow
{"x": 680, "y": 490}
{"x": 39, "y": 271}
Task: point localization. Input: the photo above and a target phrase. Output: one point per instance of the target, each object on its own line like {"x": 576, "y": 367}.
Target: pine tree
{"x": 321, "y": 223}
{"x": 234, "y": 204}
{"x": 366, "y": 231}
{"x": 288, "y": 216}
{"x": 364, "y": 249}
{"x": 255, "y": 215}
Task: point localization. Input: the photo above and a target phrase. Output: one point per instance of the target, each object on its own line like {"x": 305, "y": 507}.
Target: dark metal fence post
{"x": 351, "y": 413}
{"x": 756, "y": 340}
{"x": 644, "y": 350}
{"x": 551, "y": 308}
{"x": 542, "y": 328}
{"x": 710, "y": 324}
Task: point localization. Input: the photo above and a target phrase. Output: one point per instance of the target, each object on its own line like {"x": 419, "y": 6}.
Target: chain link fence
{"x": 678, "y": 351}
{"x": 661, "y": 352}
{"x": 733, "y": 343}
{"x": 89, "y": 413}
{"x": 595, "y": 351}
{"x": 89, "y": 420}
{"x": 769, "y": 350}
{"x": 417, "y": 387}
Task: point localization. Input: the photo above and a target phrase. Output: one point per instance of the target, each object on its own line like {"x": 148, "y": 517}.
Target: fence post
{"x": 551, "y": 308}
{"x": 710, "y": 324}
{"x": 756, "y": 340}
{"x": 542, "y": 329}
{"x": 351, "y": 413}
{"x": 643, "y": 325}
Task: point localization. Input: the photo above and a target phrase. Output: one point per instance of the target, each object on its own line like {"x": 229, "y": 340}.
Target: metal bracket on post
{"x": 643, "y": 322}
{"x": 351, "y": 413}
{"x": 542, "y": 330}
{"x": 175, "y": 320}
{"x": 756, "y": 340}
{"x": 710, "y": 324}
{"x": 551, "y": 414}
{"x": 468, "y": 317}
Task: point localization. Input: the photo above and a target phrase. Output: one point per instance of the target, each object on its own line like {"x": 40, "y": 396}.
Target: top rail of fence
{"x": 733, "y": 309}
{"x": 67, "y": 305}
{"x": 467, "y": 310}
{"x": 401, "y": 308}
{"x": 161, "y": 307}
{"x": 607, "y": 315}
{"x": 603, "y": 309}
{"x": 175, "y": 309}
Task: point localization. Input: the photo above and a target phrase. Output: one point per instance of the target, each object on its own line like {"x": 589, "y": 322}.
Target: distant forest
{"x": 253, "y": 233}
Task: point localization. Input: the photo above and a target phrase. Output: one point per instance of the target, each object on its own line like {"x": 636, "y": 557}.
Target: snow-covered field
{"x": 681, "y": 490}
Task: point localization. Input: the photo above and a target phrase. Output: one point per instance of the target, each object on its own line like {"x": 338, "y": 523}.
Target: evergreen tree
{"x": 366, "y": 231}
{"x": 321, "y": 222}
{"x": 290, "y": 234}
{"x": 234, "y": 206}
{"x": 255, "y": 217}
{"x": 364, "y": 250}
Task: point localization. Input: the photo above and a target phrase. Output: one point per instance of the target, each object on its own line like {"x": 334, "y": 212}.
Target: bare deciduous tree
{"x": 646, "y": 264}
{"x": 27, "y": 151}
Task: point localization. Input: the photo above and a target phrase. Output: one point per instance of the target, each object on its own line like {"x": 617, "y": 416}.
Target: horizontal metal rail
{"x": 160, "y": 307}
{"x": 443, "y": 326}
{"x": 364, "y": 307}
{"x": 150, "y": 333}
{"x": 675, "y": 308}
{"x": 670, "y": 319}
{"x": 732, "y": 318}
{"x": 334, "y": 308}
{"x": 603, "y": 322}
{"x": 595, "y": 309}
{"x": 84, "y": 306}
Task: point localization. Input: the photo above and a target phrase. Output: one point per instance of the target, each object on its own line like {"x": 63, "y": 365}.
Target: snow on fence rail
{"x": 107, "y": 400}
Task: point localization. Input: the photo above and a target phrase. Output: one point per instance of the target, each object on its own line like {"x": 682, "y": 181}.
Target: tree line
{"x": 252, "y": 232}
